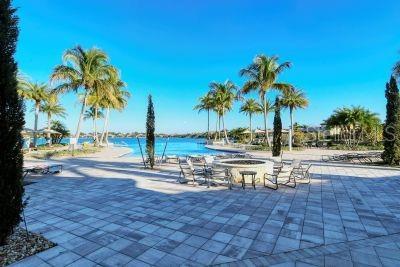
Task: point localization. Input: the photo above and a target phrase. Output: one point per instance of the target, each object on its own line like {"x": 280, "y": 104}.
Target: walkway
{"x": 112, "y": 213}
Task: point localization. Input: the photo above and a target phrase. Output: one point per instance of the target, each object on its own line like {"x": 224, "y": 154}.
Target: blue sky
{"x": 342, "y": 52}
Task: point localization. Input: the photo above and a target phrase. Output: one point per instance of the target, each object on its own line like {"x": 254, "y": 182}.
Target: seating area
{"x": 115, "y": 213}
{"x": 365, "y": 157}
{"x": 42, "y": 169}
{"x": 202, "y": 170}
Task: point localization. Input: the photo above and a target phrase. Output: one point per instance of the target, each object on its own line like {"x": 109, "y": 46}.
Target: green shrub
{"x": 11, "y": 123}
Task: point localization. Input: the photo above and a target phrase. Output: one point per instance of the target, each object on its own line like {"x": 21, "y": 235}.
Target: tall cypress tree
{"x": 391, "y": 130}
{"x": 11, "y": 123}
{"x": 150, "y": 128}
{"x": 277, "y": 137}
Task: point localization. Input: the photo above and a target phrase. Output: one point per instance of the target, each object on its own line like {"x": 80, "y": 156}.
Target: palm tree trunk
{"x": 251, "y": 132}
{"x": 208, "y": 124}
{"x": 107, "y": 123}
{"x": 219, "y": 127}
{"x": 49, "y": 127}
{"x": 78, "y": 127}
{"x": 37, "y": 105}
{"x": 96, "y": 142}
{"x": 265, "y": 122}
{"x": 216, "y": 128}
{"x": 94, "y": 137}
{"x": 104, "y": 126}
{"x": 291, "y": 129}
{"x": 223, "y": 127}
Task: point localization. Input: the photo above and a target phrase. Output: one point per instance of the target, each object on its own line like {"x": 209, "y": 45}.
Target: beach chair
{"x": 42, "y": 169}
{"x": 188, "y": 172}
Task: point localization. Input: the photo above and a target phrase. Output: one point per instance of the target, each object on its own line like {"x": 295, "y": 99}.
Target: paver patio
{"x": 347, "y": 215}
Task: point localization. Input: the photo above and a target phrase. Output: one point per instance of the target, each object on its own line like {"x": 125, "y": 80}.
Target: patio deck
{"x": 115, "y": 214}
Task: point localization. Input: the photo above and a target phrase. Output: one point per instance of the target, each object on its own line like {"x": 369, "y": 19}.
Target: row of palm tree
{"x": 82, "y": 70}
{"x": 44, "y": 100}
{"x": 354, "y": 123}
{"x": 262, "y": 76}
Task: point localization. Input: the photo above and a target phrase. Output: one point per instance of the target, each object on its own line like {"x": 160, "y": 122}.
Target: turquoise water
{"x": 173, "y": 146}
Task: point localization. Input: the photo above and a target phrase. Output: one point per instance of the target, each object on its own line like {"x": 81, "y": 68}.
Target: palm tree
{"x": 206, "y": 103}
{"x": 224, "y": 94}
{"x": 352, "y": 122}
{"x": 293, "y": 99}
{"x": 37, "y": 92}
{"x": 114, "y": 97}
{"x": 251, "y": 107}
{"x": 93, "y": 114}
{"x": 51, "y": 107}
{"x": 82, "y": 69}
{"x": 262, "y": 76}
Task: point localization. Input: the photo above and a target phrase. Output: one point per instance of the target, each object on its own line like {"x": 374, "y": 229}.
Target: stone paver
{"x": 114, "y": 214}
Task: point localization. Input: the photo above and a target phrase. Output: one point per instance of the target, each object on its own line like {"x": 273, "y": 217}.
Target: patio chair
{"x": 216, "y": 175}
{"x": 271, "y": 176}
{"x": 42, "y": 169}
{"x": 169, "y": 158}
{"x": 241, "y": 156}
{"x": 290, "y": 173}
{"x": 335, "y": 157}
{"x": 189, "y": 172}
{"x": 305, "y": 173}
{"x": 278, "y": 162}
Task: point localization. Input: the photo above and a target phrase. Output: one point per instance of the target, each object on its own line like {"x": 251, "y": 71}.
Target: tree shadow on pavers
{"x": 250, "y": 223}
{"x": 129, "y": 206}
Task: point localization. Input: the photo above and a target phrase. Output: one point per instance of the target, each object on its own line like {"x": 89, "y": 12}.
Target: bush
{"x": 11, "y": 123}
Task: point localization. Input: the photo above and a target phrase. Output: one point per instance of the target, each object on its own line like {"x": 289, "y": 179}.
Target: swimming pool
{"x": 172, "y": 146}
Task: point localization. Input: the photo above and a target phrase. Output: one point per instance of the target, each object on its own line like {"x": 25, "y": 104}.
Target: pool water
{"x": 172, "y": 146}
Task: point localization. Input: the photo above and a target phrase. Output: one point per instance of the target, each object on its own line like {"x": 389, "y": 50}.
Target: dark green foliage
{"x": 11, "y": 123}
{"x": 391, "y": 130}
{"x": 150, "y": 128}
{"x": 59, "y": 127}
{"x": 237, "y": 134}
{"x": 277, "y": 136}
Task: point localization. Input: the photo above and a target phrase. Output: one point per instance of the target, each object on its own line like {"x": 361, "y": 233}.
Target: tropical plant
{"x": 353, "y": 123}
{"x": 150, "y": 128}
{"x": 293, "y": 99}
{"x": 117, "y": 101}
{"x": 82, "y": 69}
{"x": 237, "y": 134}
{"x": 277, "y": 136}
{"x": 51, "y": 107}
{"x": 12, "y": 122}
{"x": 250, "y": 107}
{"x": 224, "y": 95}
{"x": 391, "y": 130}
{"x": 93, "y": 114}
{"x": 206, "y": 103}
{"x": 59, "y": 127}
{"x": 262, "y": 76}
{"x": 38, "y": 93}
